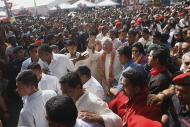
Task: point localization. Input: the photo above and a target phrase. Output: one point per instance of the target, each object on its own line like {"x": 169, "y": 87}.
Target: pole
{"x": 36, "y": 11}
{"x": 7, "y": 9}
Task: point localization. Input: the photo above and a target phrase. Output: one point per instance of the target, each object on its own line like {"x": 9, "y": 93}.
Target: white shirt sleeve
{"x": 58, "y": 87}
{"x": 93, "y": 56}
{"x": 110, "y": 118}
{"x": 26, "y": 119}
{"x": 69, "y": 64}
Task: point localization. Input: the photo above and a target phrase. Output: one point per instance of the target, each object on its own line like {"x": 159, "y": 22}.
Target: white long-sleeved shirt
{"x": 81, "y": 123}
{"x": 91, "y": 103}
{"x": 49, "y": 82}
{"x": 28, "y": 61}
{"x": 33, "y": 113}
{"x": 91, "y": 62}
{"x": 60, "y": 65}
{"x": 116, "y": 43}
{"x": 93, "y": 86}
{"x": 117, "y": 67}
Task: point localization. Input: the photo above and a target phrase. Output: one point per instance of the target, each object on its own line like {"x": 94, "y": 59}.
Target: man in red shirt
{"x": 133, "y": 99}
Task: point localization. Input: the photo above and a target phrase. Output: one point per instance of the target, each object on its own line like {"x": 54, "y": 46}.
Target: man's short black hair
{"x": 70, "y": 43}
{"x": 45, "y": 48}
{"x": 132, "y": 32}
{"x": 17, "y": 49}
{"x": 161, "y": 54}
{"x": 125, "y": 50}
{"x": 32, "y": 46}
{"x": 93, "y": 33}
{"x": 84, "y": 70}
{"x": 27, "y": 77}
{"x": 62, "y": 110}
{"x": 140, "y": 47}
{"x": 34, "y": 66}
{"x": 157, "y": 35}
{"x": 72, "y": 79}
{"x": 135, "y": 77}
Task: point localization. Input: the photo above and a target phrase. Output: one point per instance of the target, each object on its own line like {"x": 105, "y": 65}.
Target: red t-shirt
{"x": 126, "y": 108}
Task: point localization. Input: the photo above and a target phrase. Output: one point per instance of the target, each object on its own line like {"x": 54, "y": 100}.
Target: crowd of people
{"x": 99, "y": 67}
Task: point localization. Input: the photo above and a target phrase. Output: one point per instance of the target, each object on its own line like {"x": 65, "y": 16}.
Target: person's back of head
{"x": 34, "y": 66}
{"x": 84, "y": 70}
{"x": 136, "y": 77}
{"x": 27, "y": 83}
{"x": 45, "y": 48}
{"x": 61, "y": 111}
{"x": 161, "y": 54}
{"x": 71, "y": 79}
{"x": 126, "y": 51}
{"x": 27, "y": 78}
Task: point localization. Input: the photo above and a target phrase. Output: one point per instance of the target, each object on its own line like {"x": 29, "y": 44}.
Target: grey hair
{"x": 185, "y": 56}
{"x": 106, "y": 40}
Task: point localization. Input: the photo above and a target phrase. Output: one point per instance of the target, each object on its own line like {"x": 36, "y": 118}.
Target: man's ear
{"x": 138, "y": 89}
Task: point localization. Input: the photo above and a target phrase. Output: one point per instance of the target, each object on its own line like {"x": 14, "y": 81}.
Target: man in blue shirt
{"x": 125, "y": 58}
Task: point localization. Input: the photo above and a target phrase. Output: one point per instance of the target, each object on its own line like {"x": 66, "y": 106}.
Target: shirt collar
{"x": 87, "y": 83}
{"x": 128, "y": 64}
{"x": 34, "y": 95}
{"x": 81, "y": 98}
{"x": 155, "y": 71}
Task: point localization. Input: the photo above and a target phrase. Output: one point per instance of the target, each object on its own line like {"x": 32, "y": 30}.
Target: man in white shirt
{"x": 32, "y": 50}
{"x": 33, "y": 113}
{"x": 45, "y": 82}
{"x": 92, "y": 60}
{"x": 103, "y": 34}
{"x": 58, "y": 64}
{"x": 116, "y": 42}
{"x": 90, "y": 84}
{"x": 91, "y": 108}
{"x": 62, "y": 112}
{"x": 109, "y": 66}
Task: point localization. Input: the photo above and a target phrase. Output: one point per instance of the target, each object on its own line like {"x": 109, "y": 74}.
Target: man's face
{"x": 111, "y": 34}
{"x": 72, "y": 49}
{"x": 33, "y": 53}
{"x": 122, "y": 35}
{"x": 156, "y": 40}
{"x": 107, "y": 47}
{"x": 151, "y": 61}
{"x": 131, "y": 39}
{"x": 135, "y": 52}
{"x": 20, "y": 54}
{"x": 186, "y": 64}
{"x": 44, "y": 56}
{"x": 55, "y": 50}
{"x": 92, "y": 39}
{"x": 128, "y": 87}
{"x": 183, "y": 93}
{"x": 23, "y": 90}
{"x": 145, "y": 36}
{"x": 122, "y": 59}
{"x": 104, "y": 31}
{"x": 71, "y": 92}
{"x": 188, "y": 33}
{"x": 185, "y": 48}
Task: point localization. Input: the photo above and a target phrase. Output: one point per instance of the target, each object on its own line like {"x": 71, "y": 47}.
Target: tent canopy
{"x": 83, "y": 2}
{"x": 66, "y": 6}
{"x": 107, "y": 3}
{"x": 29, "y": 3}
{"x": 17, "y": 4}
